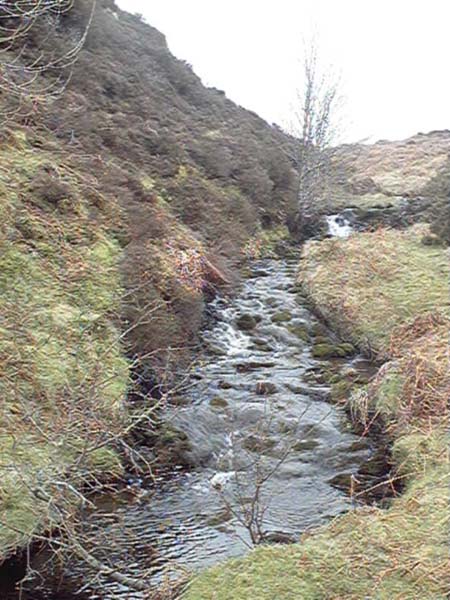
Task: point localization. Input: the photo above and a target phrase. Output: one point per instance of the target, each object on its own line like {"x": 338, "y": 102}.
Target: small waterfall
{"x": 338, "y": 226}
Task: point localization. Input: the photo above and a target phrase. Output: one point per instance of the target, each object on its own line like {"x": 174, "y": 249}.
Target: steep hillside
{"x": 127, "y": 201}
{"x": 195, "y": 174}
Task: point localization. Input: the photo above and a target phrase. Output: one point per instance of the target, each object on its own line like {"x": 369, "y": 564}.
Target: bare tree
{"x": 24, "y": 60}
{"x": 316, "y": 127}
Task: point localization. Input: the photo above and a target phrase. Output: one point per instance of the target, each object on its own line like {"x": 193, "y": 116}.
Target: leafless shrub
{"x": 31, "y": 47}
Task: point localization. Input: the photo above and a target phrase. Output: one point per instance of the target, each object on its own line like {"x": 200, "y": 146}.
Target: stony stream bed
{"x": 257, "y": 404}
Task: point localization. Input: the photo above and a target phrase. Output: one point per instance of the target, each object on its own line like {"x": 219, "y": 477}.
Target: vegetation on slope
{"x": 63, "y": 372}
{"x": 126, "y": 202}
{"x": 401, "y": 552}
{"x": 370, "y": 283}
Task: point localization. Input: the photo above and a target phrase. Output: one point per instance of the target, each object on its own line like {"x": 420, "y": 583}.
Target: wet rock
{"x": 251, "y": 414}
{"x": 327, "y": 350}
{"x": 305, "y": 445}
{"x": 271, "y": 301}
{"x": 260, "y": 341}
{"x": 224, "y": 385}
{"x": 247, "y": 322}
{"x": 300, "y": 331}
{"x": 304, "y": 390}
{"x": 297, "y": 288}
{"x": 262, "y": 345}
{"x": 217, "y": 349}
{"x": 261, "y": 272}
{"x": 219, "y": 518}
{"x": 342, "y": 481}
{"x": 253, "y": 366}
{"x": 279, "y": 537}
{"x": 258, "y": 444}
{"x": 287, "y": 427}
{"x": 266, "y": 348}
{"x": 265, "y": 388}
{"x": 282, "y": 316}
{"x": 218, "y": 402}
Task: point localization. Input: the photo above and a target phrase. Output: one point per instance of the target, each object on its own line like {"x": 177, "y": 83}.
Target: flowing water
{"x": 255, "y": 406}
{"x": 338, "y": 226}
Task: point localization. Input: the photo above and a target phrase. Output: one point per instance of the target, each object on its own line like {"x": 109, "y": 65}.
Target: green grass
{"x": 367, "y": 285}
{"x": 379, "y": 287}
{"x": 399, "y": 553}
{"x": 63, "y": 373}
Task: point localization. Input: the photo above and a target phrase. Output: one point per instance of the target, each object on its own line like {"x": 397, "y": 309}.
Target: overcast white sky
{"x": 394, "y": 55}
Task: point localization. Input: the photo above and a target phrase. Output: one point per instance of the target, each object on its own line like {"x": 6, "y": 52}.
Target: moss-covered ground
{"x": 63, "y": 375}
{"x": 77, "y": 269}
{"x": 371, "y": 283}
{"x": 387, "y": 291}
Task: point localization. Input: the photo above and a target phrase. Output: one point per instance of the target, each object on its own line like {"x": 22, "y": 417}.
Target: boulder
{"x": 247, "y": 322}
{"x": 301, "y": 331}
{"x": 327, "y": 350}
{"x": 282, "y": 316}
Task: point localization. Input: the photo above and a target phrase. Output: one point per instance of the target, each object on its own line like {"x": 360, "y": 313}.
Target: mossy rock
{"x": 324, "y": 351}
{"x": 323, "y": 339}
{"x": 170, "y": 435}
{"x": 300, "y": 331}
{"x": 282, "y": 316}
{"x": 318, "y": 329}
{"x": 346, "y": 349}
{"x": 247, "y": 322}
{"x": 328, "y": 350}
{"x": 218, "y": 402}
{"x": 341, "y": 390}
{"x": 376, "y": 466}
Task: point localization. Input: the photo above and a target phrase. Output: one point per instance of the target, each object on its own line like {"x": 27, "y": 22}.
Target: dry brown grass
{"x": 367, "y": 285}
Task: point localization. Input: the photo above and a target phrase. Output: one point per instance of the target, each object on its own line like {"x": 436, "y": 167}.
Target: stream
{"x": 256, "y": 407}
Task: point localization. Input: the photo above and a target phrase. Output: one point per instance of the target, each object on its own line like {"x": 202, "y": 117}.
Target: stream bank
{"x": 388, "y": 293}
{"x": 259, "y": 400}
